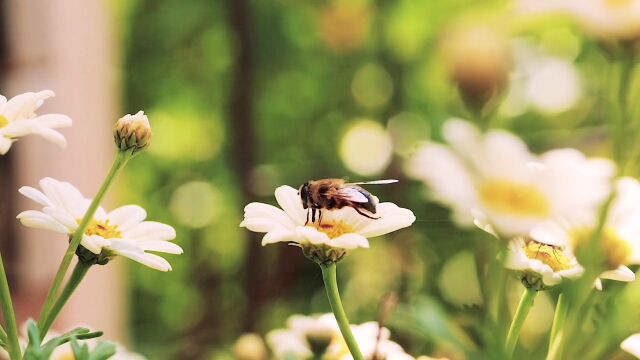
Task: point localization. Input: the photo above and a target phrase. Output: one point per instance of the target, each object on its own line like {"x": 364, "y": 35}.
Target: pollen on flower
{"x": 513, "y": 198}
{"x": 3, "y": 121}
{"x": 549, "y": 255}
{"x": 104, "y": 229}
{"x": 333, "y": 229}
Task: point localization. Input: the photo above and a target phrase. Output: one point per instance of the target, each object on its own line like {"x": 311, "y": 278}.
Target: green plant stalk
{"x": 76, "y": 277}
{"x": 331, "y": 285}
{"x": 558, "y": 324}
{"x": 121, "y": 159}
{"x": 526, "y": 302}
{"x": 13, "y": 345}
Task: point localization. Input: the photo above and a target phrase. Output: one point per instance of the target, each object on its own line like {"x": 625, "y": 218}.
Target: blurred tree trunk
{"x": 243, "y": 148}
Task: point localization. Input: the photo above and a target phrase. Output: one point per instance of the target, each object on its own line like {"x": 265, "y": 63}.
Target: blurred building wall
{"x": 67, "y": 46}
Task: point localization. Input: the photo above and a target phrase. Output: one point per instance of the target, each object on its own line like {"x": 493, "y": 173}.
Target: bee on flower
{"x": 122, "y": 231}
{"x": 18, "y": 118}
{"x": 328, "y": 241}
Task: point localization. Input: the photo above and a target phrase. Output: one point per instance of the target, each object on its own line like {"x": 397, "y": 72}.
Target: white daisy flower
{"x": 620, "y": 241}
{"x": 340, "y": 230}
{"x": 603, "y": 19}
{"x": 304, "y": 335}
{"x": 495, "y": 175}
{"x": 632, "y": 345}
{"x": 122, "y": 231}
{"x": 372, "y": 339}
{"x": 542, "y": 265}
{"x": 287, "y": 344}
{"x": 18, "y": 119}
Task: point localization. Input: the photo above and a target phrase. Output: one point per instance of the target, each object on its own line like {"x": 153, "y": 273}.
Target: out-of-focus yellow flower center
{"x": 3, "y": 121}
{"x": 515, "y": 199}
{"x": 337, "y": 349}
{"x": 66, "y": 356}
{"x": 103, "y": 228}
{"x": 333, "y": 229}
{"x": 549, "y": 255}
{"x": 616, "y": 251}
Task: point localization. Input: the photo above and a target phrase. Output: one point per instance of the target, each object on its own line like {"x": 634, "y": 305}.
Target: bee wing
{"x": 352, "y": 194}
{"x": 375, "y": 182}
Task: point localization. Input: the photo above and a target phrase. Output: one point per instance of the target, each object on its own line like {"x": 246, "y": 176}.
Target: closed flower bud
{"x": 478, "y": 58}
{"x": 132, "y": 132}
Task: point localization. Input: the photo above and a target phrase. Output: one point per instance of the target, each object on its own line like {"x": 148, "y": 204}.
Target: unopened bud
{"x": 478, "y": 58}
{"x": 250, "y": 347}
{"x": 132, "y": 132}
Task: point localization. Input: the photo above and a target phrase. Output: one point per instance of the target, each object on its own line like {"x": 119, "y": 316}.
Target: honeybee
{"x": 328, "y": 194}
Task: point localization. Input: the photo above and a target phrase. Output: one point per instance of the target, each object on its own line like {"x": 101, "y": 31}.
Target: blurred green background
{"x": 247, "y": 95}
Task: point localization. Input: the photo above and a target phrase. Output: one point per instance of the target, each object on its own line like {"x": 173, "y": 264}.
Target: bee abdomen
{"x": 370, "y": 205}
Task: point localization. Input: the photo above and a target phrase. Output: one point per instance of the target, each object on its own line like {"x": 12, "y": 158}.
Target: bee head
{"x": 305, "y": 195}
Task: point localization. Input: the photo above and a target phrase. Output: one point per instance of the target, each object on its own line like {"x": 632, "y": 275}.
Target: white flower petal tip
{"x": 338, "y": 230}
{"x": 632, "y": 345}
{"x": 123, "y": 231}
{"x": 496, "y": 175}
{"x": 18, "y": 118}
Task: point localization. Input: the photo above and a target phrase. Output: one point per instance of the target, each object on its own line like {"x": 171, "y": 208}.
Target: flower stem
{"x": 77, "y": 275}
{"x": 9, "y": 315}
{"x": 558, "y": 323}
{"x": 331, "y": 284}
{"x": 122, "y": 157}
{"x": 526, "y": 302}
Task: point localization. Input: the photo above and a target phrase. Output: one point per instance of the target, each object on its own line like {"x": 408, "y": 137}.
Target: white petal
{"x": 157, "y": 245}
{"x": 150, "y": 230}
{"x": 125, "y": 217}
{"x": 622, "y": 273}
{"x": 63, "y": 194}
{"x": 312, "y": 235}
{"x": 391, "y": 219}
{"x": 349, "y": 241}
{"x": 281, "y": 235}
{"x": 267, "y": 215}
{"x": 35, "y": 195}
{"x": 94, "y": 243}
{"x": 261, "y": 225}
{"x": 5, "y": 145}
{"x": 53, "y": 121}
{"x": 51, "y": 135}
{"x": 632, "y": 345}
{"x": 39, "y": 220}
{"x": 62, "y": 217}
{"x": 151, "y": 260}
{"x": 24, "y": 105}
{"x": 290, "y": 202}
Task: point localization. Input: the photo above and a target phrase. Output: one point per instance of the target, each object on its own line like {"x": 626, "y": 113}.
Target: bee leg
{"x": 319, "y": 217}
{"x": 313, "y": 215}
{"x": 306, "y": 222}
{"x": 366, "y": 215}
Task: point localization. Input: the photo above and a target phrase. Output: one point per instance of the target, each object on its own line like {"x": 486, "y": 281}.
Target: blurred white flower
{"x": 341, "y": 229}
{"x": 603, "y": 19}
{"x": 122, "y": 231}
{"x": 620, "y": 243}
{"x": 495, "y": 176}
{"x": 372, "y": 339}
{"x": 632, "y": 345}
{"x": 318, "y": 336}
{"x": 18, "y": 119}
{"x": 542, "y": 262}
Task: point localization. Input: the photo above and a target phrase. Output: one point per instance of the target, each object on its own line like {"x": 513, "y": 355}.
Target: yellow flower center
{"x": 515, "y": 199}
{"x": 3, "y": 121}
{"x": 549, "y": 255}
{"x": 333, "y": 229}
{"x": 103, "y": 229}
{"x": 338, "y": 347}
{"x": 66, "y": 356}
{"x": 615, "y": 250}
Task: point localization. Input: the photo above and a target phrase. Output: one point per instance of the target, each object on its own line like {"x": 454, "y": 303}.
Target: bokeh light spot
{"x": 366, "y": 148}
{"x": 193, "y": 204}
{"x": 372, "y": 86}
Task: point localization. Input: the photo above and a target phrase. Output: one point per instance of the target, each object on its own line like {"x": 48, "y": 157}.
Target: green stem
{"x": 122, "y": 157}
{"x": 331, "y": 284}
{"x": 13, "y": 345}
{"x": 76, "y": 277}
{"x": 526, "y": 302}
{"x": 558, "y": 321}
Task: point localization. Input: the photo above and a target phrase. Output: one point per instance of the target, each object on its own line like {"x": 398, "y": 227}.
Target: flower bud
{"x": 478, "y": 58}
{"x": 132, "y": 132}
{"x": 250, "y": 347}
